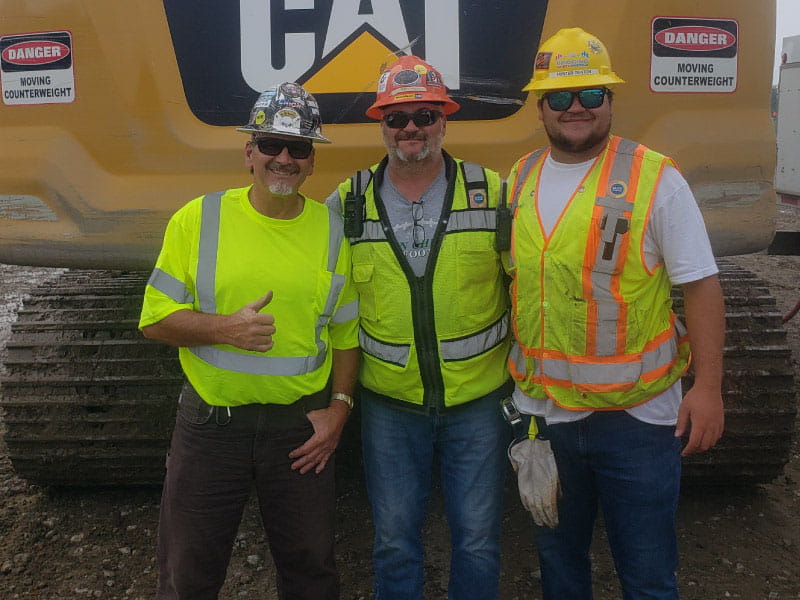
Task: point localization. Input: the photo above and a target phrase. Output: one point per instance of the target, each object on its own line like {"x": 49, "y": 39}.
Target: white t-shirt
{"x": 676, "y": 235}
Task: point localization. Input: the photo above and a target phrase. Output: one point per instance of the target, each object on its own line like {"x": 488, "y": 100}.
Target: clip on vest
{"x": 502, "y": 234}
{"x": 354, "y": 215}
{"x": 514, "y": 418}
{"x": 620, "y": 227}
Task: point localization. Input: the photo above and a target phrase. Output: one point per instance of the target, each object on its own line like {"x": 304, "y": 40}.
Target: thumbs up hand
{"x": 248, "y": 328}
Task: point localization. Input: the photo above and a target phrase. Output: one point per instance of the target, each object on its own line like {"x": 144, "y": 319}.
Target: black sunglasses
{"x": 422, "y": 118}
{"x": 274, "y": 146}
{"x": 563, "y": 99}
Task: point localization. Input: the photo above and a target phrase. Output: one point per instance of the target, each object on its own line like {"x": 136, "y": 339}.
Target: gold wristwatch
{"x": 346, "y": 398}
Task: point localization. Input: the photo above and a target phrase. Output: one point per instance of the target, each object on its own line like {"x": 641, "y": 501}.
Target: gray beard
{"x": 281, "y": 189}
{"x": 402, "y": 156}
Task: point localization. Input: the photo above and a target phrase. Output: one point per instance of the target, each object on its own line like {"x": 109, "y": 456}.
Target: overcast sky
{"x": 788, "y": 23}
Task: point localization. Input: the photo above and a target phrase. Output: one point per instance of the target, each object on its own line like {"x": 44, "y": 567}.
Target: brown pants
{"x": 214, "y": 461}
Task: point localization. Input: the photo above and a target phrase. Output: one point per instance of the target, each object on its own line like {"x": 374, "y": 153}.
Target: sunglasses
{"x": 274, "y": 146}
{"x": 562, "y": 100}
{"x": 422, "y": 118}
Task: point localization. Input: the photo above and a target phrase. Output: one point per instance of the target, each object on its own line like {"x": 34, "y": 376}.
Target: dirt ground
{"x": 100, "y": 543}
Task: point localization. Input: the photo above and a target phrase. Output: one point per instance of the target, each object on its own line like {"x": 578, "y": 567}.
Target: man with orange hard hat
{"x": 603, "y": 227}
{"x": 434, "y": 339}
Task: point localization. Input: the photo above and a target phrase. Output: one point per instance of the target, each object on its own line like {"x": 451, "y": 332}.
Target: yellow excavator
{"x": 113, "y": 115}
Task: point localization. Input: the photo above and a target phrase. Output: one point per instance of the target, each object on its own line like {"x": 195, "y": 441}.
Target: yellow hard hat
{"x": 571, "y": 58}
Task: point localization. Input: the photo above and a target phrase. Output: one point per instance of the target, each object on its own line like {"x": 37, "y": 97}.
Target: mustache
{"x": 416, "y": 135}
{"x": 283, "y": 169}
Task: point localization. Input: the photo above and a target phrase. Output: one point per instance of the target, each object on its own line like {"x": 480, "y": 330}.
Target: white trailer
{"x": 787, "y": 171}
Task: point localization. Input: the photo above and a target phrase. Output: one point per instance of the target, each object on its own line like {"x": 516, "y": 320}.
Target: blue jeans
{"x": 632, "y": 470}
{"x": 399, "y": 448}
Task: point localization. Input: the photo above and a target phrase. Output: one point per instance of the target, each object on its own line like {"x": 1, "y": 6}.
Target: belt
{"x": 196, "y": 410}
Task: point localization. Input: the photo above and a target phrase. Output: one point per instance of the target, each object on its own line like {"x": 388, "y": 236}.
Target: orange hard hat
{"x": 411, "y": 79}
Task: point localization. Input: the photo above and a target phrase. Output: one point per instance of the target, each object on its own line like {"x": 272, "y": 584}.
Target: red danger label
{"x": 37, "y": 52}
{"x": 695, "y": 38}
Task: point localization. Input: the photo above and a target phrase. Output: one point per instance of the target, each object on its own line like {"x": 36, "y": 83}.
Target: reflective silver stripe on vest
{"x": 206, "y": 269}
{"x": 346, "y": 312}
{"x": 473, "y": 174}
{"x": 207, "y": 256}
{"x": 616, "y": 224}
{"x": 373, "y": 232}
{"x": 615, "y": 373}
{"x": 396, "y": 354}
{"x": 258, "y": 365}
{"x": 168, "y": 285}
{"x": 523, "y": 172}
{"x": 476, "y": 219}
{"x": 475, "y": 344}
{"x": 516, "y": 358}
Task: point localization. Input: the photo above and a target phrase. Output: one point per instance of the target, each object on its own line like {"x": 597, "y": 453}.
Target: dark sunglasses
{"x": 274, "y": 146}
{"x": 422, "y": 118}
{"x": 562, "y": 100}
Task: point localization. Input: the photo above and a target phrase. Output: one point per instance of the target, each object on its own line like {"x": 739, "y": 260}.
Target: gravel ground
{"x": 100, "y": 543}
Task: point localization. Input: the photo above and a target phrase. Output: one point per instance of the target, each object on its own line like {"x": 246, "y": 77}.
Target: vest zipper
{"x": 421, "y": 288}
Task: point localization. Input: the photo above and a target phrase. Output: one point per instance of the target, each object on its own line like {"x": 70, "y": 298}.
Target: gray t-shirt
{"x": 413, "y": 226}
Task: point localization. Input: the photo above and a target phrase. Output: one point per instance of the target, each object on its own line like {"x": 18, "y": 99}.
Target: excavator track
{"x": 758, "y": 389}
{"x": 86, "y": 399}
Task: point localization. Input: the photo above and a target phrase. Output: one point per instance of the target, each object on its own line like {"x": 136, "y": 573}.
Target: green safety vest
{"x": 440, "y": 340}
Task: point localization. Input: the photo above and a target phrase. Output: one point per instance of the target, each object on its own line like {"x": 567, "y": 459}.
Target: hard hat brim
{"x": 572, "y": 81}
{"x": 376, "y": 110}
{"x": 319, "y": 138}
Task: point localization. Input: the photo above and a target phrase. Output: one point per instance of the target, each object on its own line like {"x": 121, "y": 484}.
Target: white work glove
{"x": 537, "y": 478}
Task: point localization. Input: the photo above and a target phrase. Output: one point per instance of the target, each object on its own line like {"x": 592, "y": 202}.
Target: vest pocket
{"x": 365, "y": 286}
{"x": 477, "y": 270}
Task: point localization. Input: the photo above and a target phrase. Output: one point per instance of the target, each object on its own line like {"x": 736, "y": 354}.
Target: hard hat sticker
{"x": 37, "y": 68}
{"x": 408, "y": 96}
{"x": 574, "y": 72}
{"x": 383, "y": 81}
{"x": 432, "y": 78}
{"x": 406, "y": 77}
{"x": 543, "y": 60}
{"x": 406, "y": 90}
{"x": 573, "y": 59}
{"x": 286, "y": 118}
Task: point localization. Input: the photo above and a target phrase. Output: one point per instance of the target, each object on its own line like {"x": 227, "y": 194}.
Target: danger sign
{"x": 694, "y": 55}
{"x": 36, "y": 68}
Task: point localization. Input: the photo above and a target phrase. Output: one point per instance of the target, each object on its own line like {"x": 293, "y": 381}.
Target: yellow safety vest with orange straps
{"x": 593, "y": 324}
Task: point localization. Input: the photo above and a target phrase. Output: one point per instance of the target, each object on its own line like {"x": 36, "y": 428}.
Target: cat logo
{"x": 336, "y": 50}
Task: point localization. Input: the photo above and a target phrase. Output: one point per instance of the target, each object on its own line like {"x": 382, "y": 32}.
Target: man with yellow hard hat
{"x": 602, "y": 229}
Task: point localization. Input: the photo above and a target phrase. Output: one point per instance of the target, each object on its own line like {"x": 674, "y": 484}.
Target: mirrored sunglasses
{"x": 422, "y": 118}
{"x": 274, "y": 146}
{"x": 563, "y": 99}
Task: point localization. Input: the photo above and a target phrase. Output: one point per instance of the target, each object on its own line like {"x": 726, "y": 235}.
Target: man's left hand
{"x": 328, "y": 425}
{"x": 704, "y": 411}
